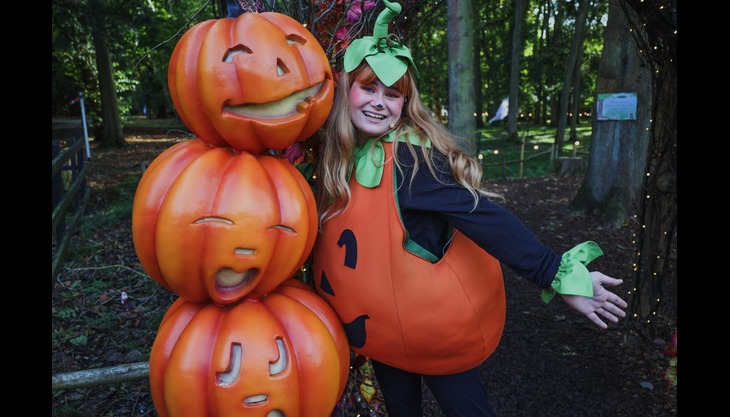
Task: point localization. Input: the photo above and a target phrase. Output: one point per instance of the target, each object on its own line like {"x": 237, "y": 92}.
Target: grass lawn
{"x": 501, "y": 158}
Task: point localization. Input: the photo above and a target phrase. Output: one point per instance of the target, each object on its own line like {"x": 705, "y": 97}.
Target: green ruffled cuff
{"x": 573, "y": 277}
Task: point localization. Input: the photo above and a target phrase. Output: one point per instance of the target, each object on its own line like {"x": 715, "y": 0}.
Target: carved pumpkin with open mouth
{"x": 219, "y": 224}
{"x": 256, "y": 82}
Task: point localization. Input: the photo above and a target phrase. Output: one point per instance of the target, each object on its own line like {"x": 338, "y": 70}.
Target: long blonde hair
{"x": 340, "y": 141}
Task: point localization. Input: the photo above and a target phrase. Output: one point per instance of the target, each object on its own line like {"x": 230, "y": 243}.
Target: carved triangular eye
{"x": 281, "y": 69}
{"x": 236, "y": 50}
{"x": 234, "y": 367}
{"x": 278, "y": 367}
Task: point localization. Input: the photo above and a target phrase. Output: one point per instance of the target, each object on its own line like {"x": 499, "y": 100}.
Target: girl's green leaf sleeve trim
{"x": 573, "y": 277}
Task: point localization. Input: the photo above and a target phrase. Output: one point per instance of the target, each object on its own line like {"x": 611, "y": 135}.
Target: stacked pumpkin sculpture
{"x": 224, "y": 222}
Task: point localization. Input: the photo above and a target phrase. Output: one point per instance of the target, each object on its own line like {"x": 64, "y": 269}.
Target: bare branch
{"x": 101, "y": 376}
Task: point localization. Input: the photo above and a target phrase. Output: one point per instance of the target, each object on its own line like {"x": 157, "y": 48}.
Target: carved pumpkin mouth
{"x": 276, "y": 109}
{"x": 256, "y": 399}
{"x": 228, "y": 279}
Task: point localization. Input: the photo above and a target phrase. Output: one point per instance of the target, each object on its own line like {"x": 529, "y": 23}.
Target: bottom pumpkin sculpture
{"x": 284, "y": 354}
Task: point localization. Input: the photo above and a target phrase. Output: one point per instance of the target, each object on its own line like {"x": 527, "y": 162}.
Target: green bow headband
{"x": 385, "y": 55}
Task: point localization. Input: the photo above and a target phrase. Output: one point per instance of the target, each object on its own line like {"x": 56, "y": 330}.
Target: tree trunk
{"x": 460, "y": 35}
{"x": 554, "y": 43}
{"x": 542, "y": 95}
{"x": 514, "y": 70}
{"x": 655, "y": 33}
{"x": 478, "y": 96}
{"x": 111, "y": 133}
{"x": 575, "y": 103}
{"x": 617, "y": 163}
{"x": 576, "y": 45}
{"x": 658, "y": 214}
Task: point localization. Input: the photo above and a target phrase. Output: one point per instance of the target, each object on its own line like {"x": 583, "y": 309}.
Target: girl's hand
{"x": 603, "y": 302}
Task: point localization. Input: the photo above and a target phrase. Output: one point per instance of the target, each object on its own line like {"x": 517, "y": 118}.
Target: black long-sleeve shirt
{"x": 429, "y": 207}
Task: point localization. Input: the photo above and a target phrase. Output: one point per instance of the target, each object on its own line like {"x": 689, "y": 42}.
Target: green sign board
{"x": 616, "y": 106}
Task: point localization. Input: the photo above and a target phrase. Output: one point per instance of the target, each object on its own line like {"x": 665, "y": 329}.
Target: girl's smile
{"x": 374, "y": 108}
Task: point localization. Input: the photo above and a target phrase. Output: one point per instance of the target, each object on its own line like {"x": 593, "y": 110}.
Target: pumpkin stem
{"x": 384, "y": 18}
{"x": 388, "y": 41}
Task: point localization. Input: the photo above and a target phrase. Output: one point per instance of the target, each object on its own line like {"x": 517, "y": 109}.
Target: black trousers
{"x": 458, "y": 395}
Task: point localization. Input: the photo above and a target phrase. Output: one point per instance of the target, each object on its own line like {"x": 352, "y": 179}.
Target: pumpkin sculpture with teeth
{"x": 218, "y": 224}
{"x": 224, "y": 221}
{"x": 257, "y": 82}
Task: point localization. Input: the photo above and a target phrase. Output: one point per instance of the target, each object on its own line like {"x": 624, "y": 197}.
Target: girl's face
{"x": 374, "y": 108}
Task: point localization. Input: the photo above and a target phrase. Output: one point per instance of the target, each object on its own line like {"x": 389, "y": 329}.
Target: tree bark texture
{"x": 111, "y": 133}
{"x": 654, "y": 25}
{"x": 514, "y": 69}
{"x": 618, "y": 156}
{"x": 460, "y": 35}
{"x": 478, "y": 96}
{"x": 575, "y": 102}
{"x": 570, "y": 66}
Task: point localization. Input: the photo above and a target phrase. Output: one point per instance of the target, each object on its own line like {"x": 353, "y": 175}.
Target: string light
{"x": 654, "y": 45}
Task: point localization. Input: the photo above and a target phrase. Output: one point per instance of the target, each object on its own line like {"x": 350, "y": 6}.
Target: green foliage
{"x": 142, "y": 35}
{"x": 80, "y": 340}
{"x": 429, "y": 49}
{"x": 671, "y": 373}
{"x": 63, "y": 312}
{"x": 501, "y": 158}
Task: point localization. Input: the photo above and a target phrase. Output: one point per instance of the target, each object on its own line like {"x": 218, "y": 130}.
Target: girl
{"x": 410, "y": 245}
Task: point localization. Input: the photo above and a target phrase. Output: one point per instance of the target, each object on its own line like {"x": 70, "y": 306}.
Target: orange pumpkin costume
{"x": 398, "y": 308}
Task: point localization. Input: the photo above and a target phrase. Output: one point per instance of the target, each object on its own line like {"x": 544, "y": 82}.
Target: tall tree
{"x": 110, "y": 134}
{"x": 429, "y": 48}
{"x": 653, "y": 23}
{"x": 575, "y": 102}
{"x": 116, "y": 52}
{"x": 537, "y": 62}
{"x": 633, "y": 164}
{"x": 460, "y": 34}
{"x": 555, "y": 48}
{"x": 495, "y": 24}
{"x": 570, "y": 69}
{"x": 618, "y": 152}
{"x": 514, "y": 71}
{"x": 478, "y": 95}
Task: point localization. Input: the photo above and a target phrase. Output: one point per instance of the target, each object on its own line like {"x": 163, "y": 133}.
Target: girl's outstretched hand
{"x": 603, "y": 302}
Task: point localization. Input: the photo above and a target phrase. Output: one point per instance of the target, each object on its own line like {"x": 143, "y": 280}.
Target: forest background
{"x": 551, "y": 58}
{"x": 134, "y": 42}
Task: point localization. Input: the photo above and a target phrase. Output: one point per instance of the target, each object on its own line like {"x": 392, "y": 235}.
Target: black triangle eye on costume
{"x": 355, "y": 330}
{"x": 347, "y": 239}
